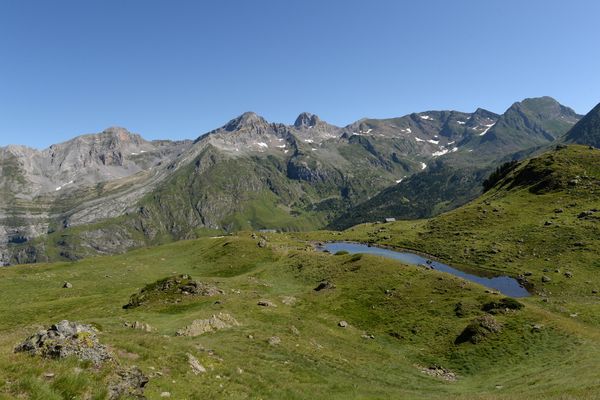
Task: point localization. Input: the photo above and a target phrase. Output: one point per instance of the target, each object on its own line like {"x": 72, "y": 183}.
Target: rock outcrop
{"x": 479, "y": 329}
{"x": 66, "y": 339}
{"x": 171, "y": 289}
{"x": 215, "y": 323}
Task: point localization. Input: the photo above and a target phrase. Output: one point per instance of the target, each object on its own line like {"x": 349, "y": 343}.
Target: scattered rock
{"x": 342, "y": 324}
{"x": 439, "y": 372}
{"x": 67, "y": 285}
{"x": 48, "y": 375}
{"x": 289, "y": 300}
{"x": 142, "y": 326}
{"x": 367, "y": 336}
{"x": 212, "y": 324}
{"x": 479, "y": 329}
{"x": 274, "y": 340}
{"x": 66, "y": 339}
{"x": 170, "y": 290}
{"x": 127, "y": 383}
{"x": 324, "y": 285}
{"x": 165, "y": 394}
{"x": 568, "y": 274}
{"x": 262, "y": 243}
{"x": 546, "y": 279}
{"x": 396, "y": 335}
{"x": 294, "y": 330}
{"x": 537, "y": 327}
{"x": 584, "y": 214}
{"x": 558, "y": 210}
{"x": 266, "y": 303}
{"x": 195, "y": 365}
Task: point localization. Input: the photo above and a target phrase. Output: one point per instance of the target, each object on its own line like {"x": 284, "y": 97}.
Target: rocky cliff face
{"x": 83, "y": 180}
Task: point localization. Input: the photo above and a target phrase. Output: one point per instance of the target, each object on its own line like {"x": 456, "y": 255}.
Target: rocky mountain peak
{"x": 117, "y": 132}
{"x": 306, "y": 120}
{"x": 483, "y": 113}
{"x": 247, "y": 119}
{"x": 544, "y": 107}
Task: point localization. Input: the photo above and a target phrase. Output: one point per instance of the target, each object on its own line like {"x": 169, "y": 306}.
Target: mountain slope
{"x": 541, "y": 214}
{"x": 455, "y": 179}
{"x": 529, "y": 123}
{"x": 587, "y": 130}
{"x": 81, "y": 181}
{"x": 442, "y": 187}
{"x": 115, "y": 191}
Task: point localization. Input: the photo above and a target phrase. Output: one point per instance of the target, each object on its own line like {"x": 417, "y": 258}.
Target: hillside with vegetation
{"x": 267, "y": 315}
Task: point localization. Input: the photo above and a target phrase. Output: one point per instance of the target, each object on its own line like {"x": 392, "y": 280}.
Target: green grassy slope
{"x": 409, "y": 311}
{"x": 541, "y": 219}
{"x": 532, "y": 214}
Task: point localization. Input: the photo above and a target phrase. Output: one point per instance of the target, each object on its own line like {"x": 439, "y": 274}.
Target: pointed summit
{"x": 483, "y": 113}
{"x": 306, "y": 120}
{"x": 246, "y": 119}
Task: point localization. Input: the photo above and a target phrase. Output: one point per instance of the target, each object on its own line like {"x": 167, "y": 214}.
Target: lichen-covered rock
{"x": 66, "y": 339}
{"x": 212, "y": 324}
{"x": 438, "y": 371}
{"x": 127, "y": 383}
{"x": 141, "y": 326}
{"x": 195, "y": 365}
{"x": 274, "y": 340}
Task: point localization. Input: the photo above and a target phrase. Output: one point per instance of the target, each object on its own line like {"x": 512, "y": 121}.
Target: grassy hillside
{"x": 540, "y": 219}
{"x": 401, "y": 320}
{"x": 545, "y": 205}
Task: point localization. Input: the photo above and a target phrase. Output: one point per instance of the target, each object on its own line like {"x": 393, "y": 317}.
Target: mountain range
{"x": 113, "y": 191}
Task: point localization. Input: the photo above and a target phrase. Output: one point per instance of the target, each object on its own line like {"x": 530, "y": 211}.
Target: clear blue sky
{"x": 177, "y": 69}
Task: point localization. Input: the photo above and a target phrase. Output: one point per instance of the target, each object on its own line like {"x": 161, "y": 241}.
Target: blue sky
{"x": 177, "y": 69}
